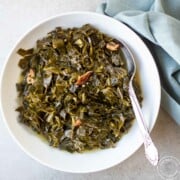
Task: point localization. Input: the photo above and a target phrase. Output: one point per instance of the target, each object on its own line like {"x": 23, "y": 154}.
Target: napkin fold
{"x": 158, "y": 24}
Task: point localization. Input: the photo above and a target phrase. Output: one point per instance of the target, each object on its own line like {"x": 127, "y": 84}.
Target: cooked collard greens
{"x": 74, "y": 89}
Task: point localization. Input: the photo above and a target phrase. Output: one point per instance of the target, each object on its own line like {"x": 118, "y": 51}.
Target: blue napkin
{"x": 158, "y": 23}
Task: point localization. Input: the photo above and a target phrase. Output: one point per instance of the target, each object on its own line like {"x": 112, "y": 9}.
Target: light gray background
{"x": 16, "y": 17}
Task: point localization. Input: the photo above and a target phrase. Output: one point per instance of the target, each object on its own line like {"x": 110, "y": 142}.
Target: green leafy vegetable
{"x": 74, "y": 89}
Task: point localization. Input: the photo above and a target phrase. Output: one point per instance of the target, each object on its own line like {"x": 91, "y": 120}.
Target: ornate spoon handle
{"x": 150, "y": 149}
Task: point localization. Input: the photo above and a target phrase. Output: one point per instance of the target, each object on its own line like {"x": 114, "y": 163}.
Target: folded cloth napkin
{"x": 158, "y": 24}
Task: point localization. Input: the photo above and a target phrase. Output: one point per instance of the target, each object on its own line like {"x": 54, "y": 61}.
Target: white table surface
{"x": 16, "y": 17}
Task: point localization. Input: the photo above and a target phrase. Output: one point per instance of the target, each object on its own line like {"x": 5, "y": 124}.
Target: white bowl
{"x": 88, "y": 161}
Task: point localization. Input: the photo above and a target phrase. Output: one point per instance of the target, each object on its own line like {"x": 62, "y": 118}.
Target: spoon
{"x": 151, "y": 151}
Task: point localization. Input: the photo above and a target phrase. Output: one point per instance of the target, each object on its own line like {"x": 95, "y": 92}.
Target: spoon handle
{"x": 150, "y": 149}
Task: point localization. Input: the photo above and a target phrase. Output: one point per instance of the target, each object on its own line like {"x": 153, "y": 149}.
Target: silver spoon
{"x": 150, "y": 149}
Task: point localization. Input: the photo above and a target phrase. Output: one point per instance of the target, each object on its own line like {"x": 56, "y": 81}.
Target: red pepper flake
{"x": 77, "y": 123}
{"x": 84, "y": 78}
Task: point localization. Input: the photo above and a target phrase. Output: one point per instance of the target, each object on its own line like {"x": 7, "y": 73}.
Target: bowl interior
{"x": 89, "y": 161}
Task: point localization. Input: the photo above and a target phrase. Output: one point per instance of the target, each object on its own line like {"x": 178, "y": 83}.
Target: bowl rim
{"x": 2, "y": 76}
